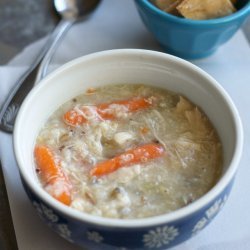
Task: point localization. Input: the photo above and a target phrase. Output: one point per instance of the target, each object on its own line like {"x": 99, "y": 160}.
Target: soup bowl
{"x": 128, "y": 66}
{"x": 188, "y": 38}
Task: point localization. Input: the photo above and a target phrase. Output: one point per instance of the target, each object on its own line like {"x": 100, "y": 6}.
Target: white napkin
{"x": 116, "y": 24}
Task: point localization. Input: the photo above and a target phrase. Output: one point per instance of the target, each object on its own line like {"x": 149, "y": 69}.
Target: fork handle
{"x": 17, "y": 94}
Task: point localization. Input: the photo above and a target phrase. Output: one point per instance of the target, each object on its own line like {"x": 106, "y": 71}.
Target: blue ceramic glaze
{"x": 96, "y": 237}
{"x": 188, "y": 38}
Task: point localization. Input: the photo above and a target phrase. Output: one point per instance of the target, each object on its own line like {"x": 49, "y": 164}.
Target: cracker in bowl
{"x": 206, "y": 9}
{"x": 196, "y": 9}
{"x": 168, "y": 5}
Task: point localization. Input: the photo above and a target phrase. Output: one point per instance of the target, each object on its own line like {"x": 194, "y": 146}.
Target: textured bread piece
{"x": 205, "y": 9}
{"x": 168, "y": 5}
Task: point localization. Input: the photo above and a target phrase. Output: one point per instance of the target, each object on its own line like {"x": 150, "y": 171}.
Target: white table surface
{"x": 116, "y": 24}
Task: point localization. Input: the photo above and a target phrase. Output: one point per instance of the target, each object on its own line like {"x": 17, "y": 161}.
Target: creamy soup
{"x": 128, "y": 151}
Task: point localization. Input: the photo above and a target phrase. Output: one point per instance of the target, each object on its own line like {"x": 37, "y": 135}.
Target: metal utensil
{"x": 70, "y": 11}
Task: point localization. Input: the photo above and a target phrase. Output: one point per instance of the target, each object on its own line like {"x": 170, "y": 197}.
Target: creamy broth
{"x": 97, "y": 127}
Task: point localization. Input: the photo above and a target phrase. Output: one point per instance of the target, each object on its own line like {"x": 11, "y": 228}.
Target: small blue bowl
{"x": 188, "y": 38}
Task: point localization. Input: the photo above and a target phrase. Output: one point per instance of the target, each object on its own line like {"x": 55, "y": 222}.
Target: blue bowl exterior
{"x": 190, "y": 38}
{"x": 96, "y": 237}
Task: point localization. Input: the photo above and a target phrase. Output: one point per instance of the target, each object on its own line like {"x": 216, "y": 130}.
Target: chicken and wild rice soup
{"x": 128, "y": 151}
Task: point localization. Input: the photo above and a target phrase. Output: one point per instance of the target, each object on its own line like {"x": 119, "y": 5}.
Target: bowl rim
{"x": 131, "y": 223}
{"x": 216, "y": 21}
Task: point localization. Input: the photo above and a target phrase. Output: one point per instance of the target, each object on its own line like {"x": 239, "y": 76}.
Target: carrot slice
{"x": 133, "y": 156}
{"x": 56, "y": 182}
{"x": 106, "y": 111}
{"x": 144, "y": 130}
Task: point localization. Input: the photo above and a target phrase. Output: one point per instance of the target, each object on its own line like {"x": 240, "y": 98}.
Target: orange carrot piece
{"x": 56, "y": 182}
{"x": 144, "y": 130}
{"x": 73, "y": 118}
{"x": 132, "y": 105}
{"x": 140, "y": 154}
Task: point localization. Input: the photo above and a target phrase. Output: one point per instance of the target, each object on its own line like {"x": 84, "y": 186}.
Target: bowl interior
{"x": 121, "y": 66}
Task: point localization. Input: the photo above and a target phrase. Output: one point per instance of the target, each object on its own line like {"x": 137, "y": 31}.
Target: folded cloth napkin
{"x": 230, "y": 66}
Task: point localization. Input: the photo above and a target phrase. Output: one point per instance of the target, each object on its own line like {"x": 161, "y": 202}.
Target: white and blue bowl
{"x": 128, "y": 66}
